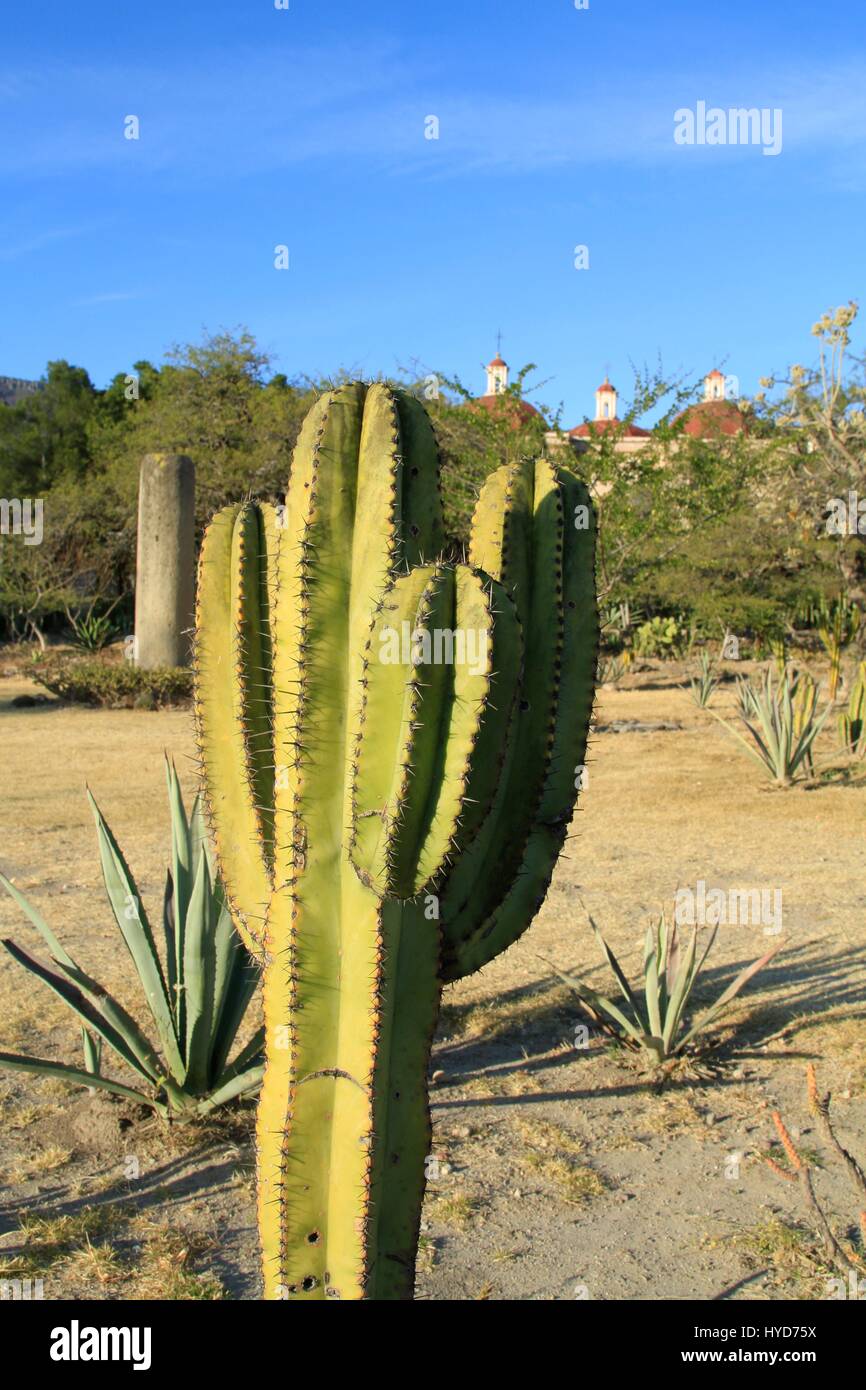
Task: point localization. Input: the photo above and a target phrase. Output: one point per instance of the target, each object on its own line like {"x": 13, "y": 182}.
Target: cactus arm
{"x": 220, "y": 671}
{"x": 423, "y": 534}
{"x": 494, "y": 736}
{"x": 391, "y": 709}
{"x": 523, "y": 549}
{"x": 467, "y": 717}
{"x": 514, "y": 913}
{"x": 577, "y": 665}
{"x": 579, "y": 660}
{"x": 429, "y": 732}
{"x": 254, "y": 559}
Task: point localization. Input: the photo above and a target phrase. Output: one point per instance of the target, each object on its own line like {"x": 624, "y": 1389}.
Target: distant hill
{"x": 13, "y": 389}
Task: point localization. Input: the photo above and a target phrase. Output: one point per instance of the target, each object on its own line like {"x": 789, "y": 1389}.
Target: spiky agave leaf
{"x": 781, "y": 742}
{"x": 215, "y": 974}
{"x": 662, "y": 970}
{"x": 129, "y": 914}
{"x": 38, "y": 1066}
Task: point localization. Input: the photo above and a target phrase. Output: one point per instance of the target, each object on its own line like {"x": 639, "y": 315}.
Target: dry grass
{"x": 546, "y": 1134}
{"x": 676, "y": 1114}
{"x": 125, "y": 1255}
{"x": 51, "y": 1241}
{"x": 788, "y": 1251}
{"x": 519, "y": 1081}
{"x": 575, "y": 1183}
{"x": 35, "y": 1165}
{"x": 166, "y": 1264}
{"x": 458, "y": 1209}
{"x": 20, "y": 1117}
{"x": 550, "y": 1150}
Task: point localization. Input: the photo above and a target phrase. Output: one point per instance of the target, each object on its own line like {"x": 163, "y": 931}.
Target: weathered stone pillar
{"x": 165, "y": 561}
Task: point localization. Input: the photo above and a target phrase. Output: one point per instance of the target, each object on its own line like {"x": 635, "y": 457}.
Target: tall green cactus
{"x": 391, "y": 747}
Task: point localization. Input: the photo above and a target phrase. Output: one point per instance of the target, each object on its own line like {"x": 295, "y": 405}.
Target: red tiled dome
{"x": 602, "y": 426}
{"x": 506, "y": 405}
{"x": 712, "y": 418}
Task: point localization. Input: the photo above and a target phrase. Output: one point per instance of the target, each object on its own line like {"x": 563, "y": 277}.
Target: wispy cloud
{"x": 268, "y": 111}
{"x": 110, "y": 297}
{"x": 11, "y": 251}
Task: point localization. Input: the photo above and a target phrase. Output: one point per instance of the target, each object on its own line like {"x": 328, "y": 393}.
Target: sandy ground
{"x": 560, "y": 1172}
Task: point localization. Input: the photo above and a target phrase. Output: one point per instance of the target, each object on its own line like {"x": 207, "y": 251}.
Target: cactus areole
{"x": 391, "y": 746}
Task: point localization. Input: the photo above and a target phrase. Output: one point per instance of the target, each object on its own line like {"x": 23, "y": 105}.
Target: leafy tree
{"x": 45, "y": 436}
{"x": 821, "y": 483}
{"x": 212, "y": 401}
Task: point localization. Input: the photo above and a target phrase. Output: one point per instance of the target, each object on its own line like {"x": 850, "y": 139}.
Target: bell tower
{"x": 605, "y": 401}
{"x": 497, "y": 371}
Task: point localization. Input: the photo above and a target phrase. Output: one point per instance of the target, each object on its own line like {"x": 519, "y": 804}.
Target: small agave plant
{"x": 852, "y": 722}
{"x": 654, "y": 1026}
{"x": 705, "y": 683}
{"x": 782, "y": 720}
{"x": 197, "y": 1000}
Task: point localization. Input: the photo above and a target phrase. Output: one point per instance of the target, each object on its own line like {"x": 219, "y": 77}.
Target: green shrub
{"x": 658, "y": 637}
{"x": 113, "y": 685}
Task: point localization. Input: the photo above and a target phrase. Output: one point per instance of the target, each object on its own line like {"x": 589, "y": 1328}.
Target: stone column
{"x": 165, "y": 561}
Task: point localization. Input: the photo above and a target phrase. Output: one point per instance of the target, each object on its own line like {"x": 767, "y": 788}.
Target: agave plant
{"x": 618, "y": 620}
{"x": 779, "y": 652}
{"x": 197, "y": 999}
{"x": 838, "y": 624}
{"x": 92, "y": 631}
{"x": 744, "y": 697}
{"x": 704, "y": 685}
{"x": 655, "y": 1027}
{"x": 782, "y": 720}
{"x": 852, "y": 723}
{"x": 611, "y": 669}
{"x": 804, "y": 701}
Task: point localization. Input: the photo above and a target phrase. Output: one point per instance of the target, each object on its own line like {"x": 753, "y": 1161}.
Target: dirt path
{"x": 558, "y": 1172}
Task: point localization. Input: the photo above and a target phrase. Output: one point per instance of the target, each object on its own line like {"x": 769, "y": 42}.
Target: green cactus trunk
{"x": 391, "y": 747}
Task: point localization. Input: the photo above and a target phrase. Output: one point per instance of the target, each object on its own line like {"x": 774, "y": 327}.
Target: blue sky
{"x": 306, "y": 127}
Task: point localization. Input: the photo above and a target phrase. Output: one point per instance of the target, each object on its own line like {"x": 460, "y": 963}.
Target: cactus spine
{"x": 382, "y": 826}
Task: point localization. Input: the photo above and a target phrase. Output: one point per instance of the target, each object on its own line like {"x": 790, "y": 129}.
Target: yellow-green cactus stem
{"x": 389, "y": 745}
